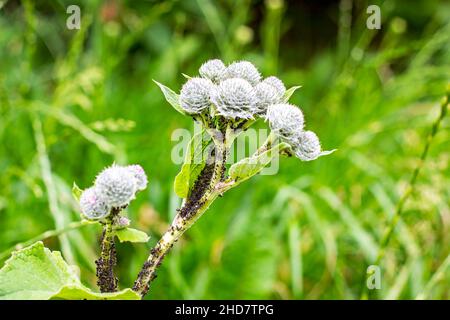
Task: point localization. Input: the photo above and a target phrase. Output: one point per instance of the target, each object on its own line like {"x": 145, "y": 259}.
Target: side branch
{"x": 203, "y": 194}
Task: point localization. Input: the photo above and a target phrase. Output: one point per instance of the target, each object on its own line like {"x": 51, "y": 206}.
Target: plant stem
{"x": 401, "y": 203}
{"x": 106, "y": 279}
{"x": 193, "y": 208}
{"x": 177, "y": 228}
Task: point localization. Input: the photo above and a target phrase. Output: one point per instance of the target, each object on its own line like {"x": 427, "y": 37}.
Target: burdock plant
{"x": 225, "y": 101}
{"x": 113, "y": 190}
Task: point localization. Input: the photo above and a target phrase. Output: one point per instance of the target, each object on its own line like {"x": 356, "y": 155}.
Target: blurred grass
{"x": 72, "y": 102}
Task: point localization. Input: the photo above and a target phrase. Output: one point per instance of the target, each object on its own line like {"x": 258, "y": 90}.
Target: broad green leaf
{"x": 248, "y": 167}
{"x": 171, "y": 97}
{"x": 131, "y": 235}
{"x": 290, "y": 92}
{"x": 76, "y": 192}
{"x": 77, "y": 293}
{"x": 36, "y": 273}
{"x": 193, "y": 165}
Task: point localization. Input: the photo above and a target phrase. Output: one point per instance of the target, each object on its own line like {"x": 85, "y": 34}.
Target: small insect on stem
{"x": 106, "y": 280}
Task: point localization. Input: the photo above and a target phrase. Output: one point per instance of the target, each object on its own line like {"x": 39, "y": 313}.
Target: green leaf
{"x": 77, "y": 293}
{"x": 193, "y": 165}
{"x": 36, "y": 273}
{"x": 248, "y": 167}
{"x": 131, "y": 235}
{"x": 290, "y": 92}
{"x": 76, "y": 192}
{"x": 171, "y": 97}
{"x": 181, "y": 182}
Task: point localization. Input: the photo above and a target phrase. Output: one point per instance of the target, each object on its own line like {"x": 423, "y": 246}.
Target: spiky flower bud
{"x": 93, "y": 205}
{"x": 306, "y": 146}
{"x": 122, "y": 222}
{"x": 213, "y": 70}
{"x": 235, "y": 98}
{"x": 140, "y": 176}
{"x": 195, "y": 95}
{"x": 286, "y": 120}
{"x": 278, "y": 84}
{"x": 117, "y": 185}
{"x": 266, "y": 95}
{"x": 244, "y": 70}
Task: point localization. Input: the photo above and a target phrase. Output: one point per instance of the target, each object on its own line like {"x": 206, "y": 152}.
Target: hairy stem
{"x": 106, "y": 280}
{"x": 204, "y": 193}
{"x": 177, "y": 228}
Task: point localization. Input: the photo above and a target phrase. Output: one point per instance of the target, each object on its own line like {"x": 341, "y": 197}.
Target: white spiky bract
{"x": 277, "y": 84}
{"x": 235, "y": 98}
{"x": 285, "y": 120}
{"x": 307, "y": 146}
{"x": 140, "y": 176}
{"x": 117, "y": 185}
{"x": 266, "y": 95}
{"x": 93, "y": 205}
{"x": 213, "y": 70}
{"x": 195, "y": 95}
{"x": 244, "y": 70}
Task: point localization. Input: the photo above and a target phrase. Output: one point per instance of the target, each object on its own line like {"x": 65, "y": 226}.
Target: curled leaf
{"x": 289, "y": 92}
{"x": 131, "y": 235}
{"x": 248, "y": 167}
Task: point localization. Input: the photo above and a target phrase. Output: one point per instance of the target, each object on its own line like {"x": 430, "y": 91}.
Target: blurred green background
{"x": 74, "y": 101}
